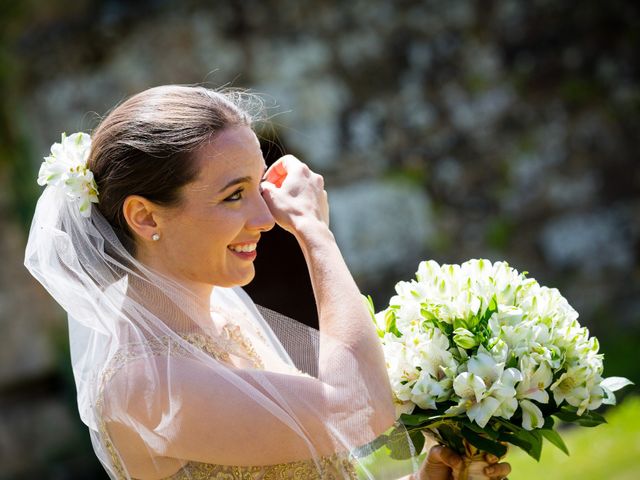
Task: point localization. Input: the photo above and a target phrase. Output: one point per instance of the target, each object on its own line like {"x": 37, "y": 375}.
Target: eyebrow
{"x": 244, "y": 179}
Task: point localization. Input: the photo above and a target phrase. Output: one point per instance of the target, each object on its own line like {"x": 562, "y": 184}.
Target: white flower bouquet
{"x": 480, "y": 356}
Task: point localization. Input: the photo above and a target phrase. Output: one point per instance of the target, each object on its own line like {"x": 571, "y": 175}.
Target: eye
{"x": 235, "y": 196}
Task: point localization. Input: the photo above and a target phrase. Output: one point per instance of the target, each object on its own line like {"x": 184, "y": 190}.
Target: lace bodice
{"x": 337, "y": 466}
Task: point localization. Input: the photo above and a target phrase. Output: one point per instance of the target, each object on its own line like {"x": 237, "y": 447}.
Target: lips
{"x": 245, "y": 250}
{"x": 243, "y": 247}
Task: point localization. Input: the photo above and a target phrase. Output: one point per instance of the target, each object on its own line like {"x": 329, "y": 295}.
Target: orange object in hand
{"x": 277, "y": 173}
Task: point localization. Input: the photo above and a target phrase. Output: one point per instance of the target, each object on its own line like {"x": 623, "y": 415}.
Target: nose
{"x": 261, "y": 218}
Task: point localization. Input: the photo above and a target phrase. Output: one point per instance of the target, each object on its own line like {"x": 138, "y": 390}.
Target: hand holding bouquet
{"x": 479, "y": 357}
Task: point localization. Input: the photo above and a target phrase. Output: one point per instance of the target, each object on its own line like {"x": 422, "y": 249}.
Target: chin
{"x": 242, "y": 284}
{"x": 237, "y": 282}
{"x": 247, "y": 280}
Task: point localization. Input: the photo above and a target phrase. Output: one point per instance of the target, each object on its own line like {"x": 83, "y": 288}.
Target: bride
{"x": 145, "y": 234}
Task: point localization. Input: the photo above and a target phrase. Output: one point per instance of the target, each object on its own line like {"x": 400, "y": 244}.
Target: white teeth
{"x": 244, "y": 248}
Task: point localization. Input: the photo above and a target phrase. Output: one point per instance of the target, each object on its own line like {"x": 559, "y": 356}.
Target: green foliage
{"x": 450, "y": 430}
{"x": 481, "y": 443}
{"x": 611, "y": 451}
{"x": 555, "y": 438}
{"x": 568, "y": 413}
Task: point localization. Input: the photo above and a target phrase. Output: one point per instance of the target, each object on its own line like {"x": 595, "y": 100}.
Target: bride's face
{"x": 222, "y": 213}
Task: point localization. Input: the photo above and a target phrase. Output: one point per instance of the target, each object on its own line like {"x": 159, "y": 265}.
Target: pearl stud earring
{"x": 155, "y": 237}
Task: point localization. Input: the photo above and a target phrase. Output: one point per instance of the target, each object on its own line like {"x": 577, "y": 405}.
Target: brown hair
{"x": 144, "y": 145}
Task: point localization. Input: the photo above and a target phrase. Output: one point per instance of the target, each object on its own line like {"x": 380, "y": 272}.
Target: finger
{"x": 279, "y": 165}
{"x": 267, "y": 190}
{"x": 444, "y": 455}
{"x": 276, "y": 174}
{"x": 490, "y": 458}
{"x": 499, "y": 470}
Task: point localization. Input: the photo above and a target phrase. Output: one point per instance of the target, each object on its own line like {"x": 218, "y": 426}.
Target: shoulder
{"x": 140, "y": 376}
{"x": 132, "y": 372}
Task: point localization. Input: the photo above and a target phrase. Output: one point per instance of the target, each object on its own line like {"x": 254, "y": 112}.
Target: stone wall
{"x": 445, "y": 130}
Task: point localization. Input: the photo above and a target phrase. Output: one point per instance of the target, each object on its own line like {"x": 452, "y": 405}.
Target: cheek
{"x": 190, "y": 235}
{"x": 206, "y": 234}
{"x": 219, "y": 231}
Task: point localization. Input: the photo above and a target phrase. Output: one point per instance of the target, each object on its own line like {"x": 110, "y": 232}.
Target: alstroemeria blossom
{"x": 66, "y": 168}
{"x": 536, "y": 379}
{"x": 486, "y": 389}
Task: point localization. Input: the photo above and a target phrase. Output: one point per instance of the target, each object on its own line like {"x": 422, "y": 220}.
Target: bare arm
{"x": 296, "y": 198}
{"x": 343, "y": 316}
{"x": 184, "y": 409}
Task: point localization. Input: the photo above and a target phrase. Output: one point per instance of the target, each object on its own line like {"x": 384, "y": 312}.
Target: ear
{"x": 141, "y": 216}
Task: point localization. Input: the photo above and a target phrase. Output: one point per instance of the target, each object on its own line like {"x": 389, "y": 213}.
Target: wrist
{"x": 312, "y": 232}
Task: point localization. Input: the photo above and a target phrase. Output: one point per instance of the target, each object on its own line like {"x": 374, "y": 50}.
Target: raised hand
{"x": 294, "y": 194}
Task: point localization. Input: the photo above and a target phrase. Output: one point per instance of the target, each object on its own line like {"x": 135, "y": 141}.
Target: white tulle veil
{"x": 126, "y": 321}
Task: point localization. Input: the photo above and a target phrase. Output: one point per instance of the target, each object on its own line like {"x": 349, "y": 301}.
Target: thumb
{"x": 444, "y": 455}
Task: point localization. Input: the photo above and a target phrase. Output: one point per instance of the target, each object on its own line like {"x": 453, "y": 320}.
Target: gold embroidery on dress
{"x": 333, "y": 467}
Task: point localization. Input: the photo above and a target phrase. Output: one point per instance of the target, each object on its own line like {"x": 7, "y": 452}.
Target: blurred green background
{"x": 448, "y": 130}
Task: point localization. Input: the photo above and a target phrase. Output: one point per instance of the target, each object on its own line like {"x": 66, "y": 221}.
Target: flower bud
{"x": 464, "y": 338}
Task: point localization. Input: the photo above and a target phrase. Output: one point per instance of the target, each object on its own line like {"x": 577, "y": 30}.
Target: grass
{"x": 607, "y": 452}
{"x": 610, "y": 451}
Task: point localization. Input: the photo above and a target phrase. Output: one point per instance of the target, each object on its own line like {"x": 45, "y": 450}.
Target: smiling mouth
{"x": 243, "y": 248}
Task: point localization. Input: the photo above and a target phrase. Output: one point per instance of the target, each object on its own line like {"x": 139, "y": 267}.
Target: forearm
{"x": 343, "y": 317}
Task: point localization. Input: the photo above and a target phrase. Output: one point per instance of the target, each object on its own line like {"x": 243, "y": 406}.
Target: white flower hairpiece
{"x": 66, "y": 168}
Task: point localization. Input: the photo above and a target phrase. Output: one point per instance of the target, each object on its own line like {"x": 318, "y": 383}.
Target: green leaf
{"x": 482, "y": 443}
{"x": 536, "y": 444}
{"x": 514, "y": 439}
{"x": 555, "y": 438}
{"x": 492, "y": 434}
{"x": 371, "y": 447}
{"x": 414, "y": 420}
{"x": 591, "y": 419}
{"x": 398, "y": 444}
{"x": 568, "y": 413}
{"x": 390, "y": 322}
{"x": 506, "y": 423}
{"x": 529, "y": 441}
{"x": 491, "y": 309}
{"x": 369, "y": 303}
{"x": 512, "y": 362}
{"x": 493, "y": 305}
{"x": 459, "y": 323}
{"x": 451, "y": 437}
{"x": 417, "y": 438}
{"x": 426, "y": 313}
